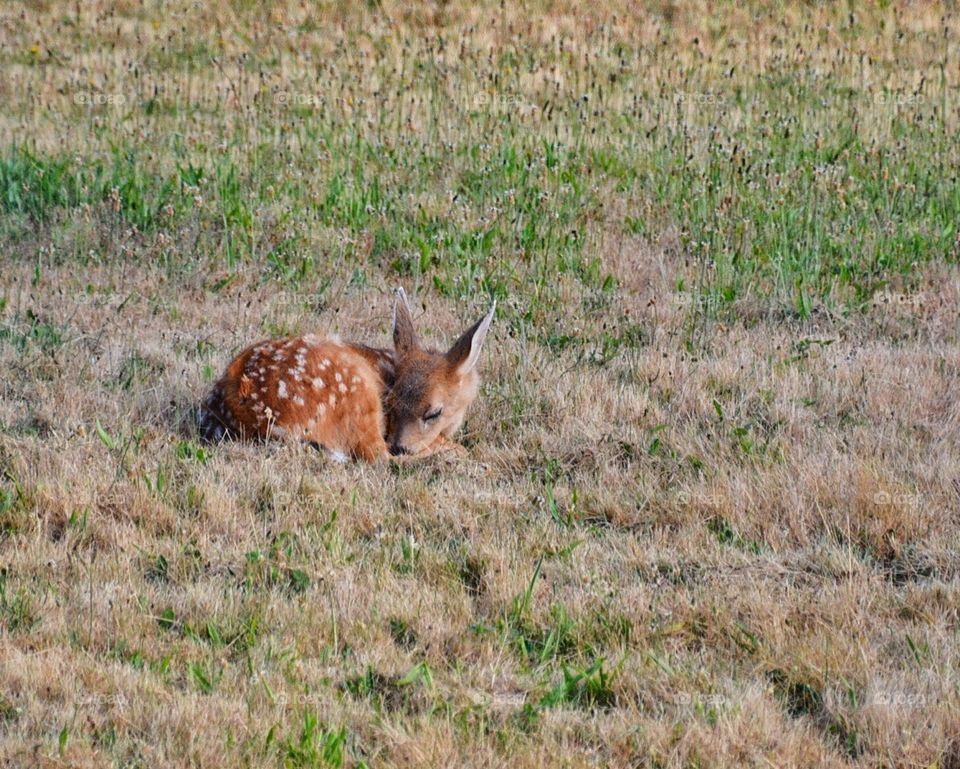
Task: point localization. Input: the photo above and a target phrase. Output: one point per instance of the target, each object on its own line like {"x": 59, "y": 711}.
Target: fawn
{"x": 349, "y": 399}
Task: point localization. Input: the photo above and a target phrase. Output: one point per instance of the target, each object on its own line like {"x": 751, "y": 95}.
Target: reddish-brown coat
{"x": 308, "y": 389}
{"x": 350, "y": 399}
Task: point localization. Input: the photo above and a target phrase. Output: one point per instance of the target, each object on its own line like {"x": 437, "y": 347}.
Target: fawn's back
{"x": 320, "y": 391}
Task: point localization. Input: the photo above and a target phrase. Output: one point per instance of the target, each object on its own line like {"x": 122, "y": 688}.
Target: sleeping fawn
{"x": 349, "y": 399}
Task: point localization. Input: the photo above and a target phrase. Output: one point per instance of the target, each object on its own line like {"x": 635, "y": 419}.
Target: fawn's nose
{"x": 396, "y": 449}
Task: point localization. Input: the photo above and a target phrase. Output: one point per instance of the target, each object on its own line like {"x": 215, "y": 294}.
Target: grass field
{"x": 710, "y": 511}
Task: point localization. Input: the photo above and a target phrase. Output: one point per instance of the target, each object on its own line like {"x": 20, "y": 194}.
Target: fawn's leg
{"x": 367, "y": 441}
{"x": 443, "y": 445}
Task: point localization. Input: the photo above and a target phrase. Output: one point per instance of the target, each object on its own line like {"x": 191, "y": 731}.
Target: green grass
{"x": 762, "y": 211}
{"x": 667, "y": 532}
{"x": 780, "y": 188}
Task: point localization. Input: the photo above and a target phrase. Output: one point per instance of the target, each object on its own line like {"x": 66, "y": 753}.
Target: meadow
{"x": 709, "y": 512}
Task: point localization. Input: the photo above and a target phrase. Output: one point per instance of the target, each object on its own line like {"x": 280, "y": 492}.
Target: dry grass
{"x": 728, "y": 539}
{"x": 799, "y": 600}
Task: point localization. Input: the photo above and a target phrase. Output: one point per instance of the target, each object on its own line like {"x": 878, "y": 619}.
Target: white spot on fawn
{"x": 282, "y": 389}
{"x": 298, "y": 400}
{"x": 332, "y": 400}
{"x": 338, "y": 377}
{"x": 317, "y": 383}
{"x": 342, "y": 387}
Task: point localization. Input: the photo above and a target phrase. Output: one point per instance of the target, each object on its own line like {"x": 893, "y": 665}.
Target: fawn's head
{"x": 432, "y": 389}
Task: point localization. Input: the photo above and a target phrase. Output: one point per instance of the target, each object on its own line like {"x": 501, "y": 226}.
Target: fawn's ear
{"x": 404, "y": 337}
{"x": 466, "y": 350}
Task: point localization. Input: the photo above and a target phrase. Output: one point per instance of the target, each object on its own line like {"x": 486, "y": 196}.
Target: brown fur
{"x": 433, "y": 390}
{"x": 305, "y": 388}
{"x": 348, "y": 399}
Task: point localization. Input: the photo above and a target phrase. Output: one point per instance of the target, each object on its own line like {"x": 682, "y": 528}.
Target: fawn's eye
{"x": 433, "y": 414}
